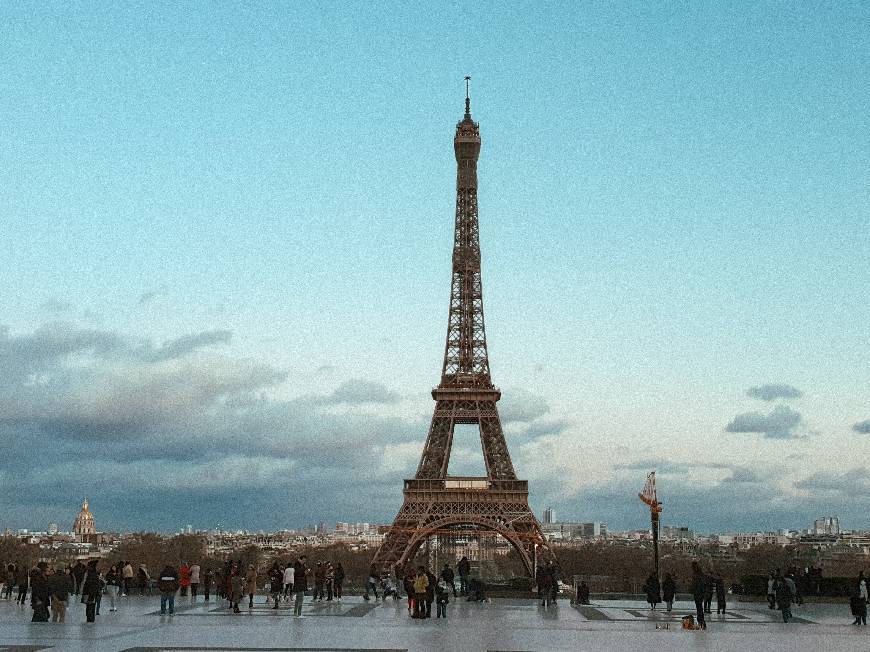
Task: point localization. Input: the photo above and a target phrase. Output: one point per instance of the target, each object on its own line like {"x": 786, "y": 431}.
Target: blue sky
{"x": 224, "y": 255}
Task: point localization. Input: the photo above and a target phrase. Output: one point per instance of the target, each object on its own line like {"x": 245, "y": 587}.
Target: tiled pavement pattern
{"x": 357, "y": 626}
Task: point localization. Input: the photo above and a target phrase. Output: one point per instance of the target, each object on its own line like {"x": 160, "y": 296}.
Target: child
{"x": 442, "y": 597}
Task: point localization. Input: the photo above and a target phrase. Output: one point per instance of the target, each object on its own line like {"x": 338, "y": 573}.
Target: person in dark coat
{"x": 669, "y": 590}
{"x": 699, "y": 590}
{"x": 91, "y": 590}
{"x": 448, "y": 576}
{"x": 339, "y": 580}
{"x": 653, "y": 591}
{"x": 784, "y": 597}
{"x": 61, "y": 586}
{"x": 22, "y": 581}
{"x": 720, "y": 594}
{"x": 430, "y": 592}
{"x": 40, "y": 595}
{"x": 78, "y": 574}
{"x": 464, "y": 568}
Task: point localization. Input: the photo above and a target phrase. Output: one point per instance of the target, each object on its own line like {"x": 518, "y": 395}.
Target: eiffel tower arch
{"x": 434, "y": 502}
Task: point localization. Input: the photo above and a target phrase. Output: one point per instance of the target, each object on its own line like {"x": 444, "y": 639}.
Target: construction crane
{"x": 649, "y": 497}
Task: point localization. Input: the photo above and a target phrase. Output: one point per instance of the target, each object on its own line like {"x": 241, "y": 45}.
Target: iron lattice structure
{"x": 435, "y": 503}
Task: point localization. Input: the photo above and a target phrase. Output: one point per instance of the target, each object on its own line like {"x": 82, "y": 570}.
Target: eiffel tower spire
{"x": 497, "y": 503}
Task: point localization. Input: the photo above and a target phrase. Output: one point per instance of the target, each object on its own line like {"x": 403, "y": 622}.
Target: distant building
{"x": 826, "y": 525}
{"x": 590, "y": 530}
{"x": 53, "y": 529}
{"x": 549, "y": 516}
{"x": 677, "y": 533}
{"x": 84, "y": 527}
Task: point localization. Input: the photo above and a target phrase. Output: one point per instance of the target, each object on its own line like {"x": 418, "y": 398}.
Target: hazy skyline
{"x": 225, "y": 242}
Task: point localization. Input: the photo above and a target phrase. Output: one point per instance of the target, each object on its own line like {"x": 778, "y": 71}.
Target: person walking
{"x": 699, "y": 590}
{"x": 61, "y": 587}
{"x": 858, "y": 602}
{"x": 167, "y": 584}
{"x": 319, "y": 579}
{"x": 194, "y": 580}
{"x": 91, "y": 589}
{"x": 430, "y": 592}
{"x": 8, "y": 581}
{"x": 708, "y": 594}
{"x": 372, "y": 583}
{"x": 653, "y": 591}
{"x": 300, "y": 584}
{"x": 464, "y": 568}
{"x": 339, "y": 580}
{"x": 113, "y": 585}
{"x": 251, "y": 585}
{"x": 669, "y": 590}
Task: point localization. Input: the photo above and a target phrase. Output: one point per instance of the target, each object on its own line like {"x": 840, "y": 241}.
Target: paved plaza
{"x": 499, "y": 625}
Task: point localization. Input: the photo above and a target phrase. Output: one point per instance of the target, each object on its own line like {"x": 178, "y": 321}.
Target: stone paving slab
{"x": 357, "y": 626}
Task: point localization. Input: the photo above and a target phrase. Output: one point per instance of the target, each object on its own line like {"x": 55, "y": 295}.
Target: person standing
{"x": 127, "y": 576}
{"x": 40, "y": 593}
{"x": 207, "y": 579}
{"x": 92, "y": 588}
{"x": 771, "y": 591}
{"x": 699, "y": 590}
{"x": 448, "y": 576}
{"x": 421, "y": 583}
{"x": 430, "y": 592}
{"x": 784, "y": 597}
{"x": 194, "y": 579}
{"x": 319, "y": 580}
{"x": 167, "y": 584}
{"x": 61, "y": 587}
{"x": 113, "y": 585}
{"x": 300, "y": 584}
{"x": 78, "y": 573}
{"x": 8, "y": 581}
{"x": 22, "y": 580}
{"x": 464, "y": 568}
{"x": 858, "y": 601}
{"x": 184, "y": 578}
{"x": 251, "y": 585}
{"x": 653, "y": 591}
{"x": 442, "y": 597}
{"x": 329, "y": 578}
{"x": 669, "y": 590}
{"x": 276, "y": 581}
{"x": 144, "y": 579}
{"x": 339, "y": 580}
{"x": 236, "y": 586}
{"x": 288, "y": 580}
{"x": 720, "y": 594}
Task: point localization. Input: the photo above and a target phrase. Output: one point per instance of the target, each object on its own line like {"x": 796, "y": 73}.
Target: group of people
{"x": 50, "y": 589}
{"x": 705, "y": 584}
{"x": 424, "y": 588}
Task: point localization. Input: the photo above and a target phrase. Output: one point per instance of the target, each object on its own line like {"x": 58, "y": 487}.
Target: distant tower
{"x": 435, "y": 503}
{"x": 549, "y": 516}
{"x": 84, "y": 527}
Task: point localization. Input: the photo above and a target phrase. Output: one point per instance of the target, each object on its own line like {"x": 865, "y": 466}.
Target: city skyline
{"x": 226, "y": 254}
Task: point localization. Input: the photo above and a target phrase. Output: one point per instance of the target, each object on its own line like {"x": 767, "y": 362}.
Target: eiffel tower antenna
{"x": 435, "y": 503}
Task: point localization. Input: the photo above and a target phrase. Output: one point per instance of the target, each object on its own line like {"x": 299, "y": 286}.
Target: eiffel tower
{"x": 434, "y": 502}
